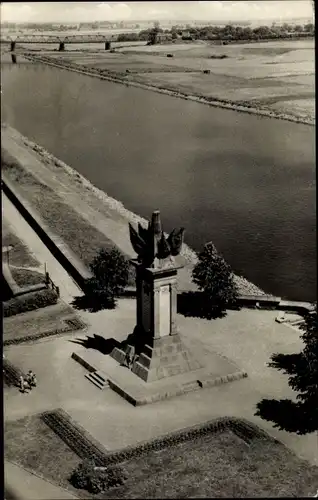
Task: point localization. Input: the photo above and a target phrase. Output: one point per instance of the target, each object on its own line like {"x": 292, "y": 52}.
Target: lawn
{"x": 31, "y": 443}
{"x": 48, "y": 319}
{"x": 20, "y": 254}
{"x": 218, "y": 465}
{"x": 26, "y": 277}
{"x": 278, "y": 69}
{"x": 213, "y": 465}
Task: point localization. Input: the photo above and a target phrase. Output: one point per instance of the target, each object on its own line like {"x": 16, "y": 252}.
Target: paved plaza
{"x": 247, "y": 337}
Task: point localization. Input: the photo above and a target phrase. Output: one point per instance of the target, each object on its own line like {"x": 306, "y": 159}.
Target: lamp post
{"x": 9, "y": 248}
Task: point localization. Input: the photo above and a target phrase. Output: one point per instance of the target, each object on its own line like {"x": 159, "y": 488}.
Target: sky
{"x": 77, "y": 12}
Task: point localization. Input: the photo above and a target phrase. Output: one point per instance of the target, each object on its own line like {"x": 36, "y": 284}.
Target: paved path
{"x": 24, "y": 485}
{"x": 68, "y": 287}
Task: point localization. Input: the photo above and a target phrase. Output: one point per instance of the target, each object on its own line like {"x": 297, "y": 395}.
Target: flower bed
{"x": 77, "y": 438}
{"x": 85, "y": 446}
{"x": 11, "y": 373}
{"x": 76, "y": 325}
{"x": 29, "y": 302}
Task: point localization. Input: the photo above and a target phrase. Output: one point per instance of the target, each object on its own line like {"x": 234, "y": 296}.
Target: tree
{"x": 215, "y": 278}
{"x": 174, "y": 33}
{"x": 111, "y": 270}
{"x": 153, "y": 36}
{"x": 309, "y": 27}
{"x": 299, "y": 416}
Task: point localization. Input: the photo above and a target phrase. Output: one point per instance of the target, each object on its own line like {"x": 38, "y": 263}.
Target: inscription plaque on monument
{"x": 164, "y": 311}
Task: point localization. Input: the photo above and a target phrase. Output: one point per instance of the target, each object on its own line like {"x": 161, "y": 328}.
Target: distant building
{"x": 164, "y": 37}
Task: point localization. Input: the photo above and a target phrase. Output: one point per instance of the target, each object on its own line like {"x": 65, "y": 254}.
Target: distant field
{"x": 277, "y": 75}
{"x": 273, "y": 75}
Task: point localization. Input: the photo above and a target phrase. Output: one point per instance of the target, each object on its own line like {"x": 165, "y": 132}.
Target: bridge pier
{"x": 107, "y": 45}
{"x": 61, "y": 47}
{"x": 13, "y": 46}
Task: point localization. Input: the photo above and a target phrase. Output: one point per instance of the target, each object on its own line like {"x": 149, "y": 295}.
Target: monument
{"x": 157, "y": 344}
{"x": 157, "y": 361}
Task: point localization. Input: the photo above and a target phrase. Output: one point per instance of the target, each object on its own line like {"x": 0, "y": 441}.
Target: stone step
{"x": 98, "y": 379}
{"x": 191, "y": 386}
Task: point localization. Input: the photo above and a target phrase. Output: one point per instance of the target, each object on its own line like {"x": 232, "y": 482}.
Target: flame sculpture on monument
{"x": 152, "y": 247}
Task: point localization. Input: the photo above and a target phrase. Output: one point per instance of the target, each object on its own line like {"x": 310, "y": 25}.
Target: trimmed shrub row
{"x": 75, "y": 436}
{"x": 247, "y": 431}
{"x": 78, "y": 325}
{"x": 29, "y": 302}
{"x": 81, "y": 442}
{"x": 11, "y": 373}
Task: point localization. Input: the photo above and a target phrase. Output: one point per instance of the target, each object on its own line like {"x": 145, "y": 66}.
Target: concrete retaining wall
{"x": 59, "y": 249}
{"x": 272, "y": 302}
{"x": 261, "y": 301}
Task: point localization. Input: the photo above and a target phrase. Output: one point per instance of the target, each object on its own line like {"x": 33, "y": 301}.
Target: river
{"x": 243, "y": 181}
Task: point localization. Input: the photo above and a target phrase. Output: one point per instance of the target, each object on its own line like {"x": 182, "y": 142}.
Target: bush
{"x": 29, "y": 302}
{"x": 215, "y": 278}
{"x": 96, "y": 480}
{"x": 111, "y": 273}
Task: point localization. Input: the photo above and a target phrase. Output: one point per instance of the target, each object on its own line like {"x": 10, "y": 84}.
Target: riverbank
{"x": 128, "y": 78}
{"x": 106, "y": 218}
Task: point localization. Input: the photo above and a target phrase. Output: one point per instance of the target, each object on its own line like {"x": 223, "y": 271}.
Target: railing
{"x": 50, "y": 284}
{"x": 85, "y": 38}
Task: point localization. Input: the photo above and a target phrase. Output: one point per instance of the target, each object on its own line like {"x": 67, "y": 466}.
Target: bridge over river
{"x": 60, "y": 39}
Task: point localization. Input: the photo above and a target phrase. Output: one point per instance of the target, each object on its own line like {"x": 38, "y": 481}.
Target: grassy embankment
{"x": 259, "y": 468}
{"x": 82, "y": 215}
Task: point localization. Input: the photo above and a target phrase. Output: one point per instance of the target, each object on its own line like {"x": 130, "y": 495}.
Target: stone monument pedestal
{"x": 161, "y": 353}
{"x": 168, "y": 356}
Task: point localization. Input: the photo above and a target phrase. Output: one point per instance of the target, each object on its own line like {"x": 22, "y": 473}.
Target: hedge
{"x": 85, "y": 447}
{"x": 11, "y": 373}
{"x": 29, "y": 302}
{"x": 76, "y": 325}
{"x": 75, "y": 436}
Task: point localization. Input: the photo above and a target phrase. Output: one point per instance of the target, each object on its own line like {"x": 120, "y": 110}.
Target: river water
{"x": 245, "y": 182}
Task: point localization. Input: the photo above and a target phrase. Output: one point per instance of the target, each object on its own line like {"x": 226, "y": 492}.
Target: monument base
{"x": 166, "y": 357}
{"x": 217, "y": 371}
